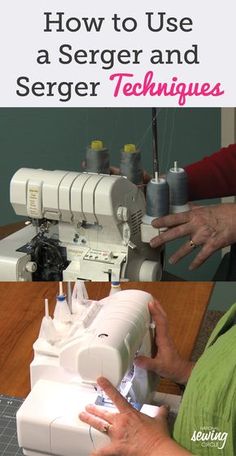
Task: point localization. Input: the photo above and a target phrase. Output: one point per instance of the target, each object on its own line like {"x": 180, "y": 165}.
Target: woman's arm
{"x": 213, "y": 176}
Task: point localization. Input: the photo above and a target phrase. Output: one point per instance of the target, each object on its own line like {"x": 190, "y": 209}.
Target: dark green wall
{"x": 57, "y": 138}
{"x": 223, "y": 296}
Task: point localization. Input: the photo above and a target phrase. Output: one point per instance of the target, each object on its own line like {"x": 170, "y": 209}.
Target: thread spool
{"x": 97, "y": 158}
{"x": 157, "y": 197}
{"x": 178, "y": 184}
{"x": 130, "y": 164}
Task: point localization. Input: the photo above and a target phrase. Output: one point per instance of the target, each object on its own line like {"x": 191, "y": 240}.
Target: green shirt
{"x": 206, "y": 422}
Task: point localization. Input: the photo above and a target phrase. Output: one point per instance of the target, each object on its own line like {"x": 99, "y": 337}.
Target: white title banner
{"x": 121, "y": 54}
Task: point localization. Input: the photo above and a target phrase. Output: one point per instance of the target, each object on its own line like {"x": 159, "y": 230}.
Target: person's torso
{"x": 206, "y": 422}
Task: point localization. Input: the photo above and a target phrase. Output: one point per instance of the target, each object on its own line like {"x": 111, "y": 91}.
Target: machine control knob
{"x": 31, "y": 266}
{"x": 150, "y": 271}
{"x": 123, "y": 214}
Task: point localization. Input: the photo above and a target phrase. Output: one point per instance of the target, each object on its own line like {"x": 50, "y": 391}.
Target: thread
{"x": 46, "y": 308}
{"x": 115, "y": 288}
{"x": 69, "y": 296}
{"x": 130, "y": 164}
{"x": 157, "y": 197}
{"x": 97, "y": 158}
{"x": 60, "y": 289}
{"x": 155, "y": 156}
{"x": 178, "y": 183}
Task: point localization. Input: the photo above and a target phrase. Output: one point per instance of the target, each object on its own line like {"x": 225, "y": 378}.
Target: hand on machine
{"x": 85, "y": 340}
{"x": 132, "y": 432}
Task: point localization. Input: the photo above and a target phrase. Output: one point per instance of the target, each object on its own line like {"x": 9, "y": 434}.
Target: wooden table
{"x": 6, "y": 230}
{"x": 22, "y": 308}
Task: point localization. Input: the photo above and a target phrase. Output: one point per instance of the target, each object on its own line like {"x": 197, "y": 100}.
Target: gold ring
{"x": 106, "y": 428}
{"x": 192, "y": 244}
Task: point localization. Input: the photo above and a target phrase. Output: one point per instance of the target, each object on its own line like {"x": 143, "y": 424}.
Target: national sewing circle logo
{"x": 209, "y": 436}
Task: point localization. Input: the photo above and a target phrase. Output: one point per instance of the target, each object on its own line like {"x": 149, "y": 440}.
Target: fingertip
{"x": 82, "y": 416}
{"x": 155, "y": 242}
{"x": 102, "y": 381}
{"x": 173, "y": 260}
{"x": 143, "y": 362}
{"x": 164, "y": 410}
{"x": 155, "y": 222}
{"x": 89, "y": 407}
{"x": 138, "y": 361}
{"x": 154, "y": 302}
{"x": 151, "y": 304}
{"x": 155, "y": 307}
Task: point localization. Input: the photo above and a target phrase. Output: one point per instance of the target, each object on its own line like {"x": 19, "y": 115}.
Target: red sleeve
{"x": 213, "y": 176}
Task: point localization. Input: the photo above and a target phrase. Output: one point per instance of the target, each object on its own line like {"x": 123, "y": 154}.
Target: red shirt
{"x": 213, "y": 176}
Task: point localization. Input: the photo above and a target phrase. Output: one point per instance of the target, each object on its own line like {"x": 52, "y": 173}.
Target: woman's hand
{"x": 116, "y": 171}
{"x": 132, "y": 433}
{"x": 167, "y": 362}
{"x": 211, "y": 227}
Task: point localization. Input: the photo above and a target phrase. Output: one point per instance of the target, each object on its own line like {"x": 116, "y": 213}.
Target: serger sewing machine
{"x": 81, "y": 226}
{"x": 82, "y": 342}
{"x": 91, "y": 225}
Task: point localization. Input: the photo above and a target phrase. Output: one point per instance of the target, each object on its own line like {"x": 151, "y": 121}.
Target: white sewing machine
{"x": 81, "y": 343}
{"x": 82, "y": 225}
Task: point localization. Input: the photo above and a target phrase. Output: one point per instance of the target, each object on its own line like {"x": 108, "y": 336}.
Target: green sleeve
{"x": 206, "y": 422}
